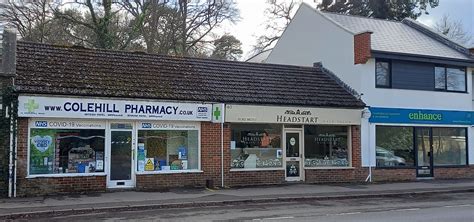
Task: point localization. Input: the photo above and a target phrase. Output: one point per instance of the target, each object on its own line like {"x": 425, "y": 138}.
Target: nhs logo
{"x": 41, "y": 123}
{"x": 146, "y": 125}
{"x": 202, "y": 109}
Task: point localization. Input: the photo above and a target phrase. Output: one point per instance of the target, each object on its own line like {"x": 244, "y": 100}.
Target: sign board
{"x": 168, "y": 125}
{"x": 35, "y": 106}
{"x": 66, "y": 123}
{"x": 420, "y": 116}
{"x": 218, "y": 111}
{"x": 150, "y": 165}
{"x": 292, "y": 115}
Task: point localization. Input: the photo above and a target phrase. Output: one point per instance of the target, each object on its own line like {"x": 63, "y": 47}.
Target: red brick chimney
{"x": 362, "y": 47}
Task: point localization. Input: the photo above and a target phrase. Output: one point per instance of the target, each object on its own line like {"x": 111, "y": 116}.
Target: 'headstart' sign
{"x": 35, "y": 106}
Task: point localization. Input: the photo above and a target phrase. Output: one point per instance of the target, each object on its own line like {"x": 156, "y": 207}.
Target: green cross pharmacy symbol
{"x": 31, "y": 105}
{"x": 217, "y": 113}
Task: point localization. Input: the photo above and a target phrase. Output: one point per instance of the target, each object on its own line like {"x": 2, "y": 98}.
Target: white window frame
{"x": 349, "y": 152}
{"x": 31, "y": 121}
{"x": 198, "y": 128}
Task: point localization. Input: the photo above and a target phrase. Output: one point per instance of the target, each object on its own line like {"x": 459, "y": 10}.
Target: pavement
{"x": 38, "y": 207}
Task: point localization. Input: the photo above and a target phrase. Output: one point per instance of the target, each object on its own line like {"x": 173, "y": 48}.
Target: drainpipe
{"x": 366, "y": 116}
{"x": 10, "y": 152}
{"x": 15, "y": 156}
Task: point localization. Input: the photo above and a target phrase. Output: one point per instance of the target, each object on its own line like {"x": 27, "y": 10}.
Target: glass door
{"x": 424, "y": 150}
{"x": 121, "y": 143}
{"x": 293, "y": 156}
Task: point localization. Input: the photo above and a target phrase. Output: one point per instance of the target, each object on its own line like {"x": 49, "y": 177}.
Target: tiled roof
{"x": 398, "y": 37}
{"x": 47, "y": 69}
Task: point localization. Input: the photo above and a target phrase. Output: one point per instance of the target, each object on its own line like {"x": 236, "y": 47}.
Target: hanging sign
{"x": 35, "y": 106}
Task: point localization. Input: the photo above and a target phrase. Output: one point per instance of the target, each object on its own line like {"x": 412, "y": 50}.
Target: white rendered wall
{"x": 311, "y": 38}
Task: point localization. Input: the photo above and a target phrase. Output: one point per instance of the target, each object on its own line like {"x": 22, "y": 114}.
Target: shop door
{"x": 424, "y": 151}
{"x": 293, "y": 156}
{"x": 121, "y": 152}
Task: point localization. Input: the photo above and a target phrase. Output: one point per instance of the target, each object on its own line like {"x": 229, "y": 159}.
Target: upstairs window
{"x": 450, "y": 79}
{"x": 382, "y": 74}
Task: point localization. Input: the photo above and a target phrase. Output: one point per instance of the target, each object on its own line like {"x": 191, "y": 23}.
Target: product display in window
{"x": 326, "y": 146}
{"x": 256, "y": 146}
{"x": 167, "y": 150}
{"x": 58, "y": 151}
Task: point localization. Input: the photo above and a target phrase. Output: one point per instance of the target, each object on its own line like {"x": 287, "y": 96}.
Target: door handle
{"x": 133, "y": 154}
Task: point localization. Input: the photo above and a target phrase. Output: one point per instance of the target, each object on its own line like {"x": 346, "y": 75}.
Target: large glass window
{"x": 450, "y": 78}
{"x": 394, "y": 146}
{"x": 256, "y": 146}
{"x": 167, "y": 150}
{"x": 382, "y": 74}
{"x": 449, "y": 146}
{"x": 326, "y": 146}
{"x": 61, "y": 151}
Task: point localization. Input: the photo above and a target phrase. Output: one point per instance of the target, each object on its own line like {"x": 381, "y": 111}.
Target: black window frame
{"x": 446, "y": 67}
{"x": 389, "y": 62}
{"x": 433, "y": 165}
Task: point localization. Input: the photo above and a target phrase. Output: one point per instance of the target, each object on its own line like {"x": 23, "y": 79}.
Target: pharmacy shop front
{"x": 271, "y": 144}
{"x": 72, "y": 144}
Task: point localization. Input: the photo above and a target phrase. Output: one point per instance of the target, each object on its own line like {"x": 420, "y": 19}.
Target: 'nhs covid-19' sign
{"x": 35, "y": 106}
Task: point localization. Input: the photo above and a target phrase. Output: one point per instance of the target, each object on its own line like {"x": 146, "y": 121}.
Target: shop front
{"x": 421, "y": 143}
{"x": 115, "y": 140}
{"x": 294, "y": 144}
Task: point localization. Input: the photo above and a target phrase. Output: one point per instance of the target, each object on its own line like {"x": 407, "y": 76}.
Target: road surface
{"x": 429, "y": 208}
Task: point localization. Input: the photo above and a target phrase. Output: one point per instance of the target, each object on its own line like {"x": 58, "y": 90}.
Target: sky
{"x": 251, "y": 24}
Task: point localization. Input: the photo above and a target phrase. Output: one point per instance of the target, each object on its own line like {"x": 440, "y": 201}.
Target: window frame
{"x": 446, "y": 67}
{"x": 431, "y": 127}
{"x": 57, "y": 175}
{"x": 198, "y": 170}
{"x": 280, "y": 127}
{"x": 349, "y": 151}
{"x": 389, "y": 62}
{"x": 466, "y": 134}
{"x": 413, "y": 146}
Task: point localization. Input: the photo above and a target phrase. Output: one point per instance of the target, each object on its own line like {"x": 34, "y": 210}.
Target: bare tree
{"x": 31, "y": 19}
{"x": 179, "y": 27}
{"x": 453, "y": 29}
{"x": 279, "y": 14}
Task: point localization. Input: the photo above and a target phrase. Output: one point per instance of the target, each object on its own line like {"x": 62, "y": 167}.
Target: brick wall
{"x": 362, "y": 48}
{"x": 387, "y": 175}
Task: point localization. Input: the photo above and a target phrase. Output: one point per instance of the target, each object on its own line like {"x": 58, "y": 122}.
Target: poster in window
{"x": 42, "y": 150}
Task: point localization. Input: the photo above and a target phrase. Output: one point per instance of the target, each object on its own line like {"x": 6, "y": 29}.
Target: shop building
{"x": 417, "y": 85}
{"x": 88, "y": 120}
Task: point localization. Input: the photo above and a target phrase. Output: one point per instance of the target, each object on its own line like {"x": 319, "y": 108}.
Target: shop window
{"x": 326, "y": 146}
{"x": 62, "y": 151}
{"x": 256, "y": 146}
{"x": 382, "y": 74}
{"x": 167, "y": 150}
{"x": 449, "y": 146}
{"x": 394, "y": 146}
